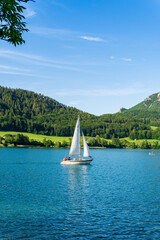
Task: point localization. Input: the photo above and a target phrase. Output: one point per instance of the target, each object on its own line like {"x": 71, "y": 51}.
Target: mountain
{"x": 26, "y": 111}
{"x": 147, "y": 109}
{"x": 152, "y": 103}
{"x": 23, "y": 110}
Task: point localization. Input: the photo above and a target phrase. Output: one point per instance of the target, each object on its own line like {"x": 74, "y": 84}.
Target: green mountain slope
{"x": 152, "y": 103}
{"x": 26, "y": 111}
{"x": 148, "y": 109}
{"x": 22, "y": 110}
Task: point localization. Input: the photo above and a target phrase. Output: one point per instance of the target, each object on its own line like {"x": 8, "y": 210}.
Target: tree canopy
{"x": 12, "y": 21}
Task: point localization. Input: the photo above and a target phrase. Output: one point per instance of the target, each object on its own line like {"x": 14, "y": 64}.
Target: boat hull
{"x": 76, "y": 162}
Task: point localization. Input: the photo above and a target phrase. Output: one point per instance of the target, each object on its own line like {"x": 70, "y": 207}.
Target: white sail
{"x": 86, "y": 148}
{"x": 75, "y": 149}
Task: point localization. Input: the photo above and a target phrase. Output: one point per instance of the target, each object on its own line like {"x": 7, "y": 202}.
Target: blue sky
{"x": 95, "y": 55}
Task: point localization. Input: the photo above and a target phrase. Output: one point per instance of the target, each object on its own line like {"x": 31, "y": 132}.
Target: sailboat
{"x": 75, "y": 156}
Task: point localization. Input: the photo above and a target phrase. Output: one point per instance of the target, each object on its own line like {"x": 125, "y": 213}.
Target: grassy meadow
{"x": 139, "y": 141}
{"x": 37, "y": 137}
{"x": 56, "y": 139}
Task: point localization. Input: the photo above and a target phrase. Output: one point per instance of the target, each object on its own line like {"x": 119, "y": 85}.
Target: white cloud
{"x": 6, "y": 67}
{"x": 18, "y": 73}
{"x": 102, "y": 92}
{"x": 58, "y": 4}
{"x": 24, "y": 55}
{"x": 51, "y": 65}
{"x": 112, "y": 57}
{"x": 96, "y": 39}
{"x": 126, "y": 59}
{"x": 47, "y": 62}
{"x": 29, "y": 13}
{"x": 62, "y": 34}
{"x": 18, "y": 55}
{"x": 40, "y": 61}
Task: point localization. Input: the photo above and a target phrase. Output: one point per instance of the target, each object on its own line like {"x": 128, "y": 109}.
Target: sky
{"x": 95, "y": 55}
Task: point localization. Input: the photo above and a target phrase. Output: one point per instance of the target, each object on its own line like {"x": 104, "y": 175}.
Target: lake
{"x": 116, "y": 197}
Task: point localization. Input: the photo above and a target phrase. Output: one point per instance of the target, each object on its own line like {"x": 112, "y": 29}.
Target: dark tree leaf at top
{"x": 12, "y": 21}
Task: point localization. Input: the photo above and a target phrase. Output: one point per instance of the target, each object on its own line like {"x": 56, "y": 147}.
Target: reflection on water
{"x": 78, "y": 174}
{"x": 77, "y": 186}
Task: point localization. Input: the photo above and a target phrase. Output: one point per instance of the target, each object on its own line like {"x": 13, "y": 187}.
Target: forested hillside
{"x": 152, "y": 104}
{"x": 148, "y": 109}
{"x": 26, "y": 111}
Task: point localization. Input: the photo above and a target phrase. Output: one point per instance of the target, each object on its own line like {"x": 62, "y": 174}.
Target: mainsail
{"x": 75, "y": 149}
{"x": 86, "y": 148}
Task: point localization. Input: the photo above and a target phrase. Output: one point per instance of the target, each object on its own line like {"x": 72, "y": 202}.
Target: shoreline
{"x": 42, "y": 147}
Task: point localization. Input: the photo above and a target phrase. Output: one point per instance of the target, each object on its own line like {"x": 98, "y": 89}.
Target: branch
{"x": 12, "y": 23}
{"x": 26, "y": 1}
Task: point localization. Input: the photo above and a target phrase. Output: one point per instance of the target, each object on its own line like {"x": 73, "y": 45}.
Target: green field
{"x": 40, "y": 138}
{"x": 37, "y": 137}
{"x": 139, "y": 141}
{"x": 153, "y": 127}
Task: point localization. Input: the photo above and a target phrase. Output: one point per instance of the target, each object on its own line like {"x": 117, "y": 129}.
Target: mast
{"x": 75, "y": 149}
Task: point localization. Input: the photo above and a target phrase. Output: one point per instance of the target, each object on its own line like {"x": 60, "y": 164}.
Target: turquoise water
{"x": 117, "y": 197}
